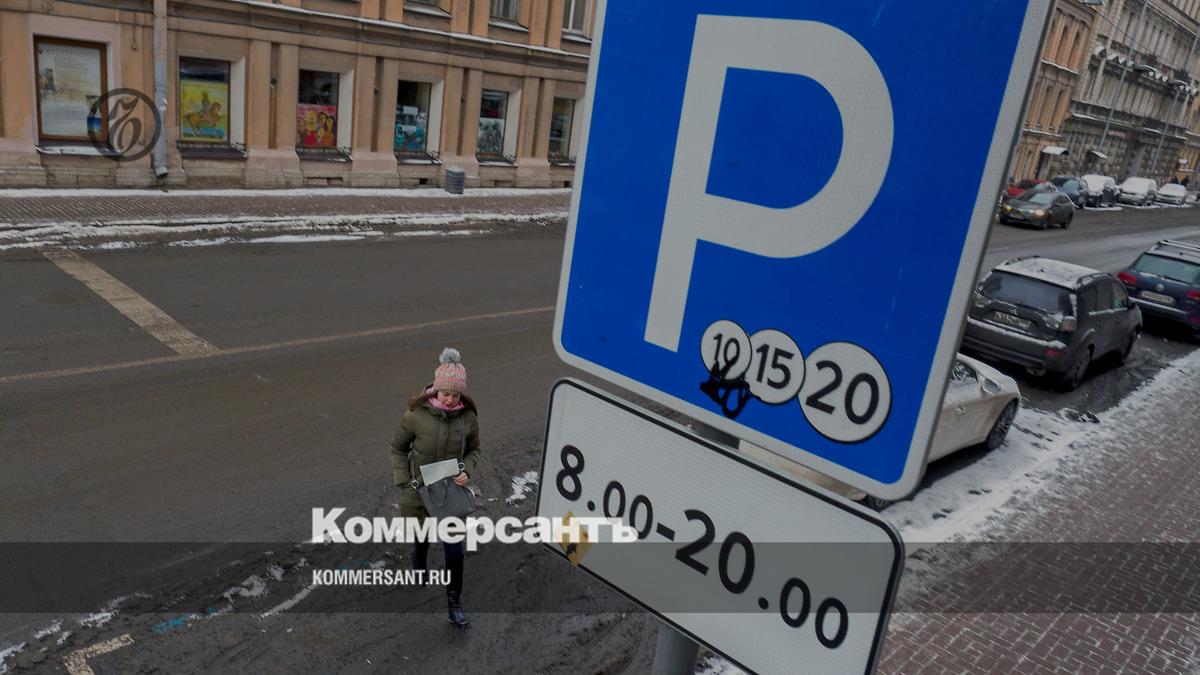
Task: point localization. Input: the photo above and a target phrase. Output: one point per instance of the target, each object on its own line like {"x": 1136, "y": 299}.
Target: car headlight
{"x": 1039, "y": 213}
{"x": 1007, "y": 207}
{"x": 990, "y": 387}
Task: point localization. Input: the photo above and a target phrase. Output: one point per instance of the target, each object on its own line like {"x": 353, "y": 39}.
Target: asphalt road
{"x": 106, "y": 434}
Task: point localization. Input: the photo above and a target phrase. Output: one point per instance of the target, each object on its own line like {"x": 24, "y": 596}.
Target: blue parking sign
{"x": 781, "y": 209}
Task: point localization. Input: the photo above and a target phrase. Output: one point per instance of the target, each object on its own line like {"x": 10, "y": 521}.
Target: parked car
{"x": 1100, "y": 190}
{"x": 1051, "y": 317}
{"x": 1137, "y": 190}
{"x": 978, "y": 410}
{"x": 1172, "y": 193}
{"x": 1042, "y": 208}
{"x": 1071, "y": 186}
{"x": 1023, "y": 186}
{"x": 1165, "y": 282}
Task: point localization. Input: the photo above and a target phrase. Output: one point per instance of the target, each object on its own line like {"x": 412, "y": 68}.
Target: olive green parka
{"x": 429, "y": 434}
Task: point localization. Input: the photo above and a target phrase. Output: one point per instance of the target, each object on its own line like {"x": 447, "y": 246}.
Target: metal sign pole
{"x": 676, "y": 653}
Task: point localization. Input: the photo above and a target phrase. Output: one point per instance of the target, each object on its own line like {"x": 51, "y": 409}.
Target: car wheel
{"x": 1067, "y": 222}
{"x": 1045, "y": 223}
{"x": 1074, "y": 376}
{"x": 1123, "y": 355}
{"x": 999, "y": 432}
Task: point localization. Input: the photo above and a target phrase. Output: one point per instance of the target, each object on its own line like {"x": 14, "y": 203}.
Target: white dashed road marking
{"x": 76, "y": 661}
{"x": 126, "y": 301}
{"x": 286, "y": 344}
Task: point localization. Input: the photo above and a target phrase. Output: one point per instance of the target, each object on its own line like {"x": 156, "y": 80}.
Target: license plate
{"x": 1158, "y": 297}
{"x": 1010, "y": 320}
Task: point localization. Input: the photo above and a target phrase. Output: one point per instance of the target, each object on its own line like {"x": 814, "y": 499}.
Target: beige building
{"x": 1042, "y": 150}
{"x": 1131, "y": 113}
{"x": 282, "y": 93}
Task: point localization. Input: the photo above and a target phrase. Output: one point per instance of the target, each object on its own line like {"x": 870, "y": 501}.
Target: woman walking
{"x": 441, "y": 423}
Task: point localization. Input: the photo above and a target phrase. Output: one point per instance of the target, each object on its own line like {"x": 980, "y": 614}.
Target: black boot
{"x": 458, "y": 618}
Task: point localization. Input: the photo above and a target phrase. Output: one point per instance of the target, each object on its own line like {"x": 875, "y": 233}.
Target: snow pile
{"x": 48, "y": 630}
{"x": 97, "y": 620}
{"x": 7, "y": 652}
{"x": 252, "y": 587}
{"x": 522, "y": 486}
{"x": 135, "y": 233}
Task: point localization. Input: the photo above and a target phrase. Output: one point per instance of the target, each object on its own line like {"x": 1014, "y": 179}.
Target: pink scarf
{"x": 433, "y": 400}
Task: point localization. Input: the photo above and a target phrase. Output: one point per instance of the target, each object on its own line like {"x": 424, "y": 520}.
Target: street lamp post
{"x": 1180, "y": 86}
{"x": 1137, "y": 29}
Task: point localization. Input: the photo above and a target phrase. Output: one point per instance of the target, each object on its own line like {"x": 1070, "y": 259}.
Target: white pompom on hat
{"x": 451, "y": 375}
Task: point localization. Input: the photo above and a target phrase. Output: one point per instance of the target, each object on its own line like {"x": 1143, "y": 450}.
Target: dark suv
{"x": 1165, "y": 282}
{"x": 1051, "y": 316}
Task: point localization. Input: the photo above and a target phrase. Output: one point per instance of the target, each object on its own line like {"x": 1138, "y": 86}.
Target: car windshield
{"x": 1039, "y": 197}
{"x": 1065, "y": 182}
{"x": 1169, "y": 268}
{"x": 1173, "y": 190}
{"x": 1027, "y": 183}
{"x": 1026, "y": 292}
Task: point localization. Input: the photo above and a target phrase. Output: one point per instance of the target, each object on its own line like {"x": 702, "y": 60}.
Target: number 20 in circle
{"x": 846, "y": 396}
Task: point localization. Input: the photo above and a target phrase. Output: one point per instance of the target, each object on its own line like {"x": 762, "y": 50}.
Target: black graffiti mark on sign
{"x": 731, "y": 395}
{"x": 127, "y": 139}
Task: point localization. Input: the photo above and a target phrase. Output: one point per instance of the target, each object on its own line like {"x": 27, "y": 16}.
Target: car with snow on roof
{"x": 1165, "y": 283}
{"x": 1051, "y": 316}
{"x": 977, "y": 412}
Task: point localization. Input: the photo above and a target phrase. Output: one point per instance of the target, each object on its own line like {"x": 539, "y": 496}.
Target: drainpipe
{"x": 159, "y": 156}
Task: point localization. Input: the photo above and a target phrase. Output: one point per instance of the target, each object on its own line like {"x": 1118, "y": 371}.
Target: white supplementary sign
{"x": 765, "y": 571}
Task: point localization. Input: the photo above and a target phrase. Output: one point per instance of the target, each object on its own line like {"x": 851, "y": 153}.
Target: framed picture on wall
{"x": 71, "y": 77}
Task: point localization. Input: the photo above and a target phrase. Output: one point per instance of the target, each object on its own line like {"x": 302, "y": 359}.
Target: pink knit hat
{"x": 452, "y": 374}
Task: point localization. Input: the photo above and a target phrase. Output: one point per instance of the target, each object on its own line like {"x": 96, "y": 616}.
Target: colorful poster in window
{"x": 69, "y": 81}
{"x": 411, "y": 126}
{"x": 204, "y": 111}
{"x": 316, "y": 125}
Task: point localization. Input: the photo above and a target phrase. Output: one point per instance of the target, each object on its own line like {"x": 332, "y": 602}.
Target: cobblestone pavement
{"x": 1130, "y": 492}
{"x": 32, "y": 208}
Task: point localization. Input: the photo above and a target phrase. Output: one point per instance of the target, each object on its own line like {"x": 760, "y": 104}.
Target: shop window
{"x": 493, "y": 117}
{"x": 561, "y": 122}
{"x": 204, "y": 101}
{"x": 317, "y": 110}
{"x": 505, "y": 9}
{"x": 71, "y": 78}
{"x": 412, "y": 119}
{"x": 575, "y": 16}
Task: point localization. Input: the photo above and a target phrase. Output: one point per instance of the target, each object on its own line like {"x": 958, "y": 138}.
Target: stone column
{"x": 532, "y": 170}
{"x": 271, "y": 159}
{"x": 370, "y": 168}
{"x": 466, "y": 127}
{"x": 20, "y": 164}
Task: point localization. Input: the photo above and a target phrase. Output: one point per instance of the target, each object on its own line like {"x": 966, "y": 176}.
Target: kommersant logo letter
{"x": 814, "y": 50}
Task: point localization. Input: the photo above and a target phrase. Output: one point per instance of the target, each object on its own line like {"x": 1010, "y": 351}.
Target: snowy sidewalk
{"x": 34, "y": 208}
{"x": 122, "y": 218}
{"x": 1092, "y": 568}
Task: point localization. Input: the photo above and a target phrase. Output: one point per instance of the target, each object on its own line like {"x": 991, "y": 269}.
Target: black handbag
{"x": 445, "y": 498}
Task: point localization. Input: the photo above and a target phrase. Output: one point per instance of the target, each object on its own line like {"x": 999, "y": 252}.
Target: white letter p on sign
{"x": 815, "y": 50}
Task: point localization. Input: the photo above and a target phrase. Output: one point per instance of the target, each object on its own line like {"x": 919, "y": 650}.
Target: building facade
{"x": 1132, "y": 113}
{"x": 1042, "y": 150}
{"x": 288, "y": 93}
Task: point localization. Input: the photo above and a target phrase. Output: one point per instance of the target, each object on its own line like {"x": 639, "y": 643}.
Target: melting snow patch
{"x": 290, "y": 602}
{"x": 250, "y": 588}
{"x": 715, "y": 665}
{"x": 275, "y": 571}
{"x": 97, "y": 620}
{"x": 7, "y": 652}
{"x": 522, "y": 486}
{"x": 48, "y": 630}
{"x": 292, "y": 192}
